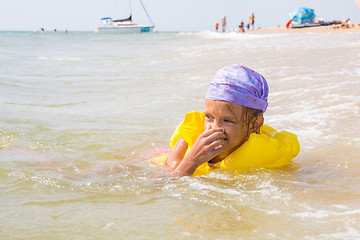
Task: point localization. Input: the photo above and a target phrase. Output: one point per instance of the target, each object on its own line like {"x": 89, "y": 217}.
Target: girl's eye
{"x": 208, "y": 117}
{"x": 228, "y": 121}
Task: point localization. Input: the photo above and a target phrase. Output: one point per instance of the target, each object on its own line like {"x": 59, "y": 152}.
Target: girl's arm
{"x": 177, "y": 154}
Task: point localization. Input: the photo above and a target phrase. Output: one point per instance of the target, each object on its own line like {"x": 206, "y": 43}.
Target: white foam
{"x": 233, "y": 35}
{"x": 59, "y": 58}
{"x": 349, "y": 233}
{"x": 319, "y": 214}
{"x": 207, "y": 187}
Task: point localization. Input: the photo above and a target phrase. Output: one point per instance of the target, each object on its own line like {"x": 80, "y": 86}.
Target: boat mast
{"x": 130, "y": 8}
{"x": 146, "y": 13}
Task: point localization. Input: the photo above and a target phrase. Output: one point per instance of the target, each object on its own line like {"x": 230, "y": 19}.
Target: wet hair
{"x": 250, "y": 114}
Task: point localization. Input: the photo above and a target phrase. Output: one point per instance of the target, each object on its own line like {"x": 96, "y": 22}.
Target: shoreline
{"x": 337, "y": 28}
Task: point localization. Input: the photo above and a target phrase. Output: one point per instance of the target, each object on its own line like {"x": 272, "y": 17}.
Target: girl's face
{"x": 231, "y": 118}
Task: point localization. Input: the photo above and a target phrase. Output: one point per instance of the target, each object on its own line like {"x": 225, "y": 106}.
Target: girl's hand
{"x": 207, "y": 146}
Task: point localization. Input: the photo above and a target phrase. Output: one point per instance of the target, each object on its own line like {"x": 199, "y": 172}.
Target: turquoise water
{"x": 80, "y": 113}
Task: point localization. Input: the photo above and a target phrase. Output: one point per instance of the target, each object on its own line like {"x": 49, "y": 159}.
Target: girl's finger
{"x": 215, "y": 136}
{"x": 211, "y": 131}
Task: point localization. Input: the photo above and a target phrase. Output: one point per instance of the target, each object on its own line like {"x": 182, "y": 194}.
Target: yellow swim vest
{"x": 269, "y": 149}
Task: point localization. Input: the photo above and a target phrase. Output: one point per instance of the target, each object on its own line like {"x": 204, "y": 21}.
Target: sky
{"x": 167, "y": 15}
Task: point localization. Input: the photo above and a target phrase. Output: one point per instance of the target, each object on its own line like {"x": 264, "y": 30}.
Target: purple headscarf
{"x": 240, "y": 85}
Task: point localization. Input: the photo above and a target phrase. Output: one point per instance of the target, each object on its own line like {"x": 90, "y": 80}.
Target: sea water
{"x": 82, "y": 112}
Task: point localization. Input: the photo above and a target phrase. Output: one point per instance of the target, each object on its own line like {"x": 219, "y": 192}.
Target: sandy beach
{"x": 338, "y": 28}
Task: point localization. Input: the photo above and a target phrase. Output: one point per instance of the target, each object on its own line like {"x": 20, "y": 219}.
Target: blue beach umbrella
{"x": 302, "y": 15}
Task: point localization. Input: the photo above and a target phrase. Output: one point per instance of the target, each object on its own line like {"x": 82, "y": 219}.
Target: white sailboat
{"x": 126, "y": 25}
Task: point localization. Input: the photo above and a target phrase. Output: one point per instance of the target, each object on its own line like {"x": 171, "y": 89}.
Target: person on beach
{"x": 223, "y": 24}
{"x": 216, "y": 26}
{"x": 241, "y": 27}
{"x": 252, "y": 20}
{"x": 235, "y": 102}
{"x": 346, "y": 23}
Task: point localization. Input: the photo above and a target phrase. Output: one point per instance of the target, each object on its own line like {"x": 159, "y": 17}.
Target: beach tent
{"x": 302, "y": 15}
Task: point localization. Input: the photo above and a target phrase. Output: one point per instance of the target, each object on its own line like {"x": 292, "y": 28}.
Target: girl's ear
{"x": 256, "y": 123}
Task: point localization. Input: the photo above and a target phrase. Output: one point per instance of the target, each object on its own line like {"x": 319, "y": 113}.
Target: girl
{"x": 235, "y": 102}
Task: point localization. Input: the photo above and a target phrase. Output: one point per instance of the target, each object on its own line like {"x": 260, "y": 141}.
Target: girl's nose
{"x": 216, "y": 124}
